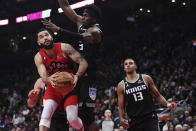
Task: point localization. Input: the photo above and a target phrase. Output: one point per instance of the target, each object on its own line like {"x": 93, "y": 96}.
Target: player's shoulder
{"x": 121, "y": 83}
{"x": 38, "y": 58}
{"x": 66, "y": 46}
{"x": 145, "y": 75}
{"x": 37, "y": 55}
{"x": 147, "y": 78}
{"x": 120, "y": 87}
{"x": 94, "y": 29}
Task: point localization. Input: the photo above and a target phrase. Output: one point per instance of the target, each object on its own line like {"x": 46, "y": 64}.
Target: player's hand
{"x": 49, "y": 25}
{"x": 171, "y": 105}
{"x": 124, "y": 123}
{"x": 75, "y": 80}
{"x": 30, "y": 103}
{"x": 33, "y": 97}
{"x": 34, "y": 93}
{"x": 52, "y": 79}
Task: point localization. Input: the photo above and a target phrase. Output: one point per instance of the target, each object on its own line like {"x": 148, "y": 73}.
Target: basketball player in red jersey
{"x": 54, "y": 57}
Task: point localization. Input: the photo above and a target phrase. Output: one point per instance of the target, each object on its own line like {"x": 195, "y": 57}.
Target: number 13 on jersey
{"x": 138, "y": 96}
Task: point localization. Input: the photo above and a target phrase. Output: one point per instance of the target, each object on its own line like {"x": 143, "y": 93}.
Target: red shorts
{"x": 51, "y": 93}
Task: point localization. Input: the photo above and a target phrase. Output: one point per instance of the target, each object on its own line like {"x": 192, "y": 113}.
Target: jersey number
{"x": 138, "y": 96}
{"x": 81, "y": 47}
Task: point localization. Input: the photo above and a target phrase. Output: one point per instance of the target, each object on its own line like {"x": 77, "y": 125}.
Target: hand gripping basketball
{"x": 63, "y": 81}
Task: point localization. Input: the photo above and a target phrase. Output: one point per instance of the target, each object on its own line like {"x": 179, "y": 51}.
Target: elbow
{"x": 83, "y": 64}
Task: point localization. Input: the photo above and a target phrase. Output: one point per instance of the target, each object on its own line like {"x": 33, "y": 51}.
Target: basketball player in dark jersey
{"x": 135, "y": 99}
{"x": 88, "y": 41}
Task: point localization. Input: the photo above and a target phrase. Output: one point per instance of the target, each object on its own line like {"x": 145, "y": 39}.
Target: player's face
{"x": 87, "y": 19}
{"x": 44, "y": 38}
{"x": 129, "y": 66}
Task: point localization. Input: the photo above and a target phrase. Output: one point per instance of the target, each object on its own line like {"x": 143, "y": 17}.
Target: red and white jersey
{"x": 57, "y": 63}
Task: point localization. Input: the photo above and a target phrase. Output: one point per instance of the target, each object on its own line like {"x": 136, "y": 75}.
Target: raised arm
{"x": 157, "y": 94}
{"x": 69, "y": 12}
{"x": 120, "y": 93}
{"x": 93, "y": 35}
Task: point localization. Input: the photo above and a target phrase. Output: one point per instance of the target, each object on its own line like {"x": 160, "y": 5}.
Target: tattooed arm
{"x": 69, "y": 51}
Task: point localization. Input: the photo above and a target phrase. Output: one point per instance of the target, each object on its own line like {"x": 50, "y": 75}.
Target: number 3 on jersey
{"x": 138, "y": 96}
{"x": 81, "y": 46}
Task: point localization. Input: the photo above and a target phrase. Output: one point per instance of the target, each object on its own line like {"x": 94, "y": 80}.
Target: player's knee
{"x": 45, "y": 119}
{"x": 45, "y": 122}
{"x": 49, "y": 108}
{"x": 72, "y": 119}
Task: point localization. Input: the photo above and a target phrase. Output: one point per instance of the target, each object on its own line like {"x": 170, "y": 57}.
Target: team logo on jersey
{"x": 139, "y": 81}
{"x": 44, "y": 58}
{"x": 59, "y": 57}
{"x": 93, "y": 93}
{"x": 126, "y": 84}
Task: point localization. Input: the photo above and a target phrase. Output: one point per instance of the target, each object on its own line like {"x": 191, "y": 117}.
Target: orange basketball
{"x": 64, "y": 82}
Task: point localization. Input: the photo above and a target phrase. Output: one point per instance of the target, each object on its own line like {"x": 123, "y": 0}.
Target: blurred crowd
{"x": 160, "y": 49}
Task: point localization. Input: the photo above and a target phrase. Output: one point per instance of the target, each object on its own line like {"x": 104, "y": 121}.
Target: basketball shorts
{"x": 147, "y": 123}
{"x": 51, "y": 93}
{"x": 86, "y": 114}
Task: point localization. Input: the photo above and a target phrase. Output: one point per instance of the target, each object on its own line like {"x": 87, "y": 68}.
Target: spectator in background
{"x": 107, "y": 123}
{"x": 178, "y": 127}
{"x": 170, "y": 127}
{"x": 185, "y": 127}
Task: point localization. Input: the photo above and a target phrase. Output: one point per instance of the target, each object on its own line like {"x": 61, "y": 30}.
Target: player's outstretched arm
{"x": 33, "y": 94}
{"x": 49, "y": 25}
{"x": 157, "y": 94}
{"x": 69, "y": 12}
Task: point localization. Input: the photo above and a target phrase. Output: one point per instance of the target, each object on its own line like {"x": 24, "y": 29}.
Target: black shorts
{"x": 86, "y": 114}
{"x": 87, "y": 94}
{"x": 147, "y": 123}
{"x": 59, "y": 121}
{"x": 86, "y": 90}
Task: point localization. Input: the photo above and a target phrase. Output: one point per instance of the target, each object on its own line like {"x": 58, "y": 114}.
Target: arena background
{"x": 158, "y": 34}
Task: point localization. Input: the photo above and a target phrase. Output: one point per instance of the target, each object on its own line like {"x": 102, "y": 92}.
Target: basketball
{"x": 64, "y": 82}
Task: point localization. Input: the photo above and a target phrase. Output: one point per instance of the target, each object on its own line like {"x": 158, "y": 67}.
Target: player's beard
{"x": 129, "y": 72}
{"x": 48, "y": 47}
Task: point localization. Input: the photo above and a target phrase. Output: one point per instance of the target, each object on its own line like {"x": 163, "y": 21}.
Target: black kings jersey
{"x": 90, "y": 52}
{"x": 138, "y": 98}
